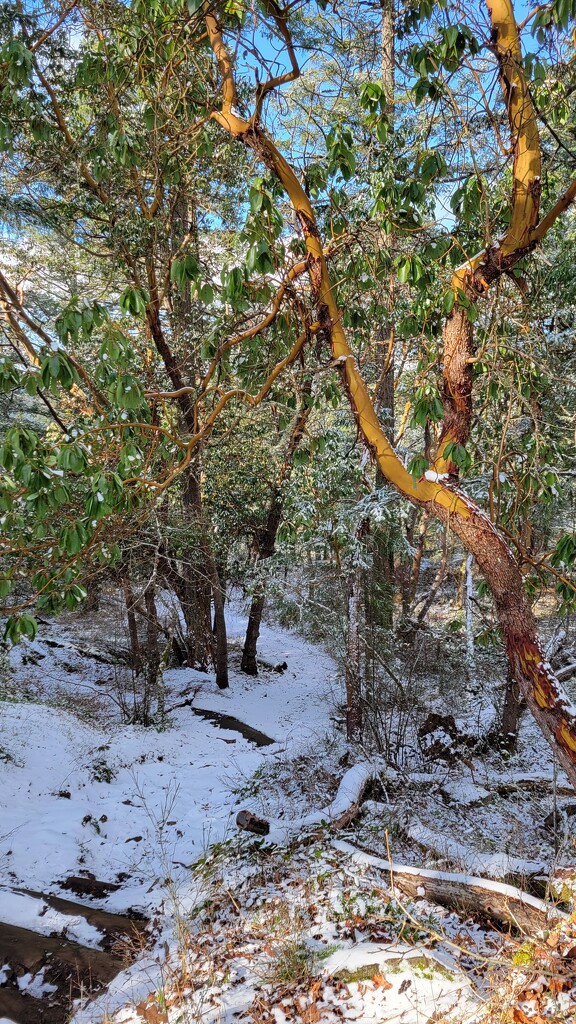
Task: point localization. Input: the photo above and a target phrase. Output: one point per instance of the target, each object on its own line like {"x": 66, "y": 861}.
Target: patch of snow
{"x": 349, "y": 792}
{"x": 29, "y": 912}
{"x": 462, "y": 878}
{"x": 434, "y": 477}
{"x": 494, "y": 865}
{"x": 34, "y": 984}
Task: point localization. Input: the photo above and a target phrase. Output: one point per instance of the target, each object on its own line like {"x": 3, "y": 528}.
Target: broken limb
{"x": 343, "y": 809}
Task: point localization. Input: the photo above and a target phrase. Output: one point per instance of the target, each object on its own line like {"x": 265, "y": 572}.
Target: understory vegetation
{"x": 287, "y": 366}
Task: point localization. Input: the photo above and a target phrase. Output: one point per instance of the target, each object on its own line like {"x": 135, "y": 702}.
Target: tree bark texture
{"x": 266, "y": 547}
{"x": 265, "y": 540}
{"x": 491, "y": 900}
{"x": 130, "y": 602}
{"x": 152, "y": 668}
{"x": 353, "y": 658}
{"x": 544, "y": 696}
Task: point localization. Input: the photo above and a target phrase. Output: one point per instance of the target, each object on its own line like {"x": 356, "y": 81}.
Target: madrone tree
{"x": 108, "y": 130}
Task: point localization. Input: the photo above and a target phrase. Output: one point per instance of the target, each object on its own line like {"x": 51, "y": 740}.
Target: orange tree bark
{"x": 475, "y": 276}
{"x": 548, "y": 703}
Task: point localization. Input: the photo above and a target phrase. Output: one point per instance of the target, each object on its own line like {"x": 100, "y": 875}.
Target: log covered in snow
{"x": 501, "y": 866}
{"x": 338, "y": 814}
{"x": 483, "y": 897}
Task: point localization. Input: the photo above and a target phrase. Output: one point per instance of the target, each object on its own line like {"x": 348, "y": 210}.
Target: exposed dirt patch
{"x": 53, "y": 961}
{"x": 87, "y": 885}
{"x": 43, "y": 974}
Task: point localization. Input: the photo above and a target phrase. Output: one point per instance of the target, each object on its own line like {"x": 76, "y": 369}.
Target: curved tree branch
{"x": 548, "y": 703}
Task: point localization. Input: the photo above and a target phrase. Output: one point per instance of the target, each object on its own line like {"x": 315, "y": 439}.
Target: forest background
{"x": 288, "y": 310}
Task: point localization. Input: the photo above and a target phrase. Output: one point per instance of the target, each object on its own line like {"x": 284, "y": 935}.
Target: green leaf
{"x": 134, "y": 301}
{"x": 404, "y": 266}
{"x": 448, "y": 302}
{"x": 418, "y": 466}
{"x": 19, "y": 626}
{"x": 457, "y": 454}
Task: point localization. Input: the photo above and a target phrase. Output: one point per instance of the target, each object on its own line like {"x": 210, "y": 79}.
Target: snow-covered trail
{"x": 132, "y": 805}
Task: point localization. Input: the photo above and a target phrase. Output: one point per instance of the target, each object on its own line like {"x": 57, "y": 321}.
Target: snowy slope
{"x": 124, "y": 800}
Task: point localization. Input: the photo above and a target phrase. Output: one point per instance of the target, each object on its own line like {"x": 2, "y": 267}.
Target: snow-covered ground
{"x": 146, "y": 818}
{"x": 138, "y": 806}
{"x": 120, "y": 800}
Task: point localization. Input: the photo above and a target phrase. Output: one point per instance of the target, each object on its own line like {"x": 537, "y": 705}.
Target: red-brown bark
{"x": 474, "y": 277}
{"x": 543, "y": 694}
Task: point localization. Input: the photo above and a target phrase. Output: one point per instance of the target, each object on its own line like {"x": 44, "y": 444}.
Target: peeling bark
{"x": 474, "y": 277}
{"x": 544, "y": 696}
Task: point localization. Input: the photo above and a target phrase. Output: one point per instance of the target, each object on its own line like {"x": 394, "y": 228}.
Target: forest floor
{"x": 119, "y": 849}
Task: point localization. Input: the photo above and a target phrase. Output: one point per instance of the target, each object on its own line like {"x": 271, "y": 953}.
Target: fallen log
{"x": 500, "y": 866}
{"x": 482, "y": 897}
{"x": 343, "y": 809}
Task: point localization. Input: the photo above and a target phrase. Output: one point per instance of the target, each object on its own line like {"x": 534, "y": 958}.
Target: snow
{"x": 140, "y": 799}
{"x": 139, "y": 808}
{"x": 349, "y": 792}
{"x": 137, "y": 805}
{"x": 494, "y": 865}
{"x": 434, "y": 477}
{"x": 34, "y": 985}
{"x": 463, "y": 879}
{"x": 419, "y": 985}
{"x": 28, "y": 912}
{"x": 126, "y": 990}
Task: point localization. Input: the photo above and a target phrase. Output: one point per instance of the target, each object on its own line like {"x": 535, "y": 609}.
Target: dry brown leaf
{"x": 381, "y": 981}
{"x": 552, "y": 939}
{"x": 558, "y": 984}
{"x": 520, "y": 1016}
{"x": 311, "y": 1014}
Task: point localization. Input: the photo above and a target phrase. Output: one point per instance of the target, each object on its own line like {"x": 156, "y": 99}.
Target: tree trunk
{"x": 353, "y": 658}
{"x": 249, "y": 663}
{"x": 130, "y": 602}
{"x": 266, "y": 546}
{"x": 152, "y": 667}
{"x": 380, "y": 605}
{"x": 203, "y": 581}
{"x": 436, "y": 583}
{"x": 92, "y": 600}
{"x": 549, "y": 705}
{"x": 221, "y": 638}
{"x": 266, "y": 539}
{"x": 511, "y": 714}
{"x": 468, "y": 611}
